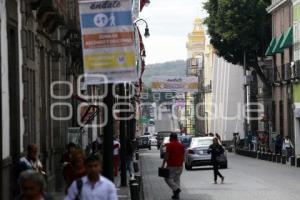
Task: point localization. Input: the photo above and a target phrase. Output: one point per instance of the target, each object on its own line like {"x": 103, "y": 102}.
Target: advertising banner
{"x": 108, "y": 40}
{"x": 174, "y": 84}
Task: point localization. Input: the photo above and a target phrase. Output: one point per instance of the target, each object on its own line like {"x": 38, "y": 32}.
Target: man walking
{"x": 174, "y": 158}
{"x": 92, "y": 186}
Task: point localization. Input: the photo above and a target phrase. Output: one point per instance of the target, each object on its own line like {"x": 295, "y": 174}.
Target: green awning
{"x": 288, "y": 39}
{"x": 276, "y": 48}
{"x": 271, "y": 46}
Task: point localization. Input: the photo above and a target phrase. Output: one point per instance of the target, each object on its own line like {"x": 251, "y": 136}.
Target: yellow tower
{"x": 196, "y": 39}
{"x": 195, "y": 49}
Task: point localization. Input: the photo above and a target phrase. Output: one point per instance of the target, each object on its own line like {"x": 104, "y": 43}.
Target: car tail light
{"x": 190, "y": 151}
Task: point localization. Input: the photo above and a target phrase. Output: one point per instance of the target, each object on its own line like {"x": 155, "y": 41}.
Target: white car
{"x": 153, "y": 141}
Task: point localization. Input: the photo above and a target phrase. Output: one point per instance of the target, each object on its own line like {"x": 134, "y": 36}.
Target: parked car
{"x": 153, "y": 141}
{"x": 160, "y": 137}
{"x": 197, "y": 154}
{"x": 185, "y": 140}
{"x": 143, "y": 142}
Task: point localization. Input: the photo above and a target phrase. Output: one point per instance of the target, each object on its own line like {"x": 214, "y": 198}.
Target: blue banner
{"x": 106, "y": 19}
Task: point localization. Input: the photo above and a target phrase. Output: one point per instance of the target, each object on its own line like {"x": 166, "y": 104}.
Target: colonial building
{"x": 281, "y": 51}
{"x": 296, "y": 73}
{"x": 43, "y": 42}
{"x": 195, "y": 47}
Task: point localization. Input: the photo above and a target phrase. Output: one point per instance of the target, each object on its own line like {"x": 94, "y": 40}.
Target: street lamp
{"x": 147, "y": 32}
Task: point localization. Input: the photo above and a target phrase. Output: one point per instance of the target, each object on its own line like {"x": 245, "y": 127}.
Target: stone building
{"x": 42, "y": 39}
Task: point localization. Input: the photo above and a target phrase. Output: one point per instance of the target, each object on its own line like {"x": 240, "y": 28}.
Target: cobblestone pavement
{"x": 246, "y": 179}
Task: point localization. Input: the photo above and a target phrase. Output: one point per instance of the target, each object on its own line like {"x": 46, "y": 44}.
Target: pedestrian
{"x": 116, "y": 154}
{"x": 92, "y": 186}
{"x": 129, "y": 156}
{"x": 31, "y": 160}
{"x": 278, "y": 144}
{"x": 32, "y": 185}
{"x": 219, "y": 138}
{"x": 288, "y": 147}
{"x": 254, "y": 142}
{"x": 77, "y": 168}
{"x": 66, "y": 160}
{"x": 234, "y": 141}
{"x": 174, "y": 158}
{"x": 216, "y": 150}
{"x": 95, "y": 148}
{"x": 238, "y": 140}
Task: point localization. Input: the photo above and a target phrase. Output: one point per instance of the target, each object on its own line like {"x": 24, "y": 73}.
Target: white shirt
{"x": 104, "y": 189}
{"x": 116, "y": 147}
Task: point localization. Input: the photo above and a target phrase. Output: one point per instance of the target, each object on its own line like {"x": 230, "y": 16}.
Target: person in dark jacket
{"x": 216, "y": 150}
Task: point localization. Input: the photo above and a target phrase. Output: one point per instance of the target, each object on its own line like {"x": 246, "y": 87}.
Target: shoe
{"x": 215, "y": 182}
{"x": 222, "y": 179}
{"x": 176, "y": 194}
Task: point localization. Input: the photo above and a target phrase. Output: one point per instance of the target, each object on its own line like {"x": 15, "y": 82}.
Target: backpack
{"x": 79, "y": 185}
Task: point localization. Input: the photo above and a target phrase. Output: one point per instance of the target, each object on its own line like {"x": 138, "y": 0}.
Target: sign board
{"x": 175, "y": 84}
{"x": 108, "y": 40}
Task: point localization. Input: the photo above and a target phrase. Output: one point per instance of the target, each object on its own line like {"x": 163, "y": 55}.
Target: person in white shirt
{"x": 31, "y": 161}
{"x": 93, "y": 186}
{"x": 116, "y": 156}
{"x": 287, "y": 147}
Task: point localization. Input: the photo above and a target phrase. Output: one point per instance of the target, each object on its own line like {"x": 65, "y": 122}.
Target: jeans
{"x": 216, "y": 171}
{"x": 129, "y": 165}
{"x": 174, "y": 179}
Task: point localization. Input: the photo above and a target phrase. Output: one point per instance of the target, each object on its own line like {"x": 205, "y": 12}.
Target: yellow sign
{"x": 116, "y": 60}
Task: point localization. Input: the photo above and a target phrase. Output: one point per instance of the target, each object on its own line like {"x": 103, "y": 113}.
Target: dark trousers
{"x": 216, "y": 171}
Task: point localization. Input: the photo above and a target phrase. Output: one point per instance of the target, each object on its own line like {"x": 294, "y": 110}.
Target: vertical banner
{"x": 108, "y": 41}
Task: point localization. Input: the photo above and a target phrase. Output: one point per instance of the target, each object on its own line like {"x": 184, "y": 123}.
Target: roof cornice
{"x": 276, "y": 5}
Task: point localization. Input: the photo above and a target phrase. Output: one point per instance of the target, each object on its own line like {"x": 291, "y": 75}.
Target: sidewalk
{"x": 123, "y": 192}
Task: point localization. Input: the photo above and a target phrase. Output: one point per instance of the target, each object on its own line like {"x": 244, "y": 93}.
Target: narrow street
{"x": 245, "y": 179}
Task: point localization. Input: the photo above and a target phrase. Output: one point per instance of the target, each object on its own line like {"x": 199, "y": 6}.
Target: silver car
{"x": 197, "y": 155}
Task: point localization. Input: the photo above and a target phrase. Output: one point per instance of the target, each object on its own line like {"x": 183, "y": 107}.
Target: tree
{"x": 237, "y": 27}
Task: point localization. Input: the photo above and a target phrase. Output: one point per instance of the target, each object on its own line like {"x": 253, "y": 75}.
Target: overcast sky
{"x": 169, "y": 21}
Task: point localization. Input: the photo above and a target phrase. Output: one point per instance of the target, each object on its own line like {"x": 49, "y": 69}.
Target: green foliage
{"x": 236, "y": 26}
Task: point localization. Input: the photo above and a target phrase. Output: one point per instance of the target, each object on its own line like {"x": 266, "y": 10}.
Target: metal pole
{"x": 108, "y": 137}
{"x": 245, "y": 99}
{"x": 1, "y": 192}
{"x": 123, "y": 133}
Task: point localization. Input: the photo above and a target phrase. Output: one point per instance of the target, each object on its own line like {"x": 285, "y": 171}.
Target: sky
{"x": 169, "y": 22}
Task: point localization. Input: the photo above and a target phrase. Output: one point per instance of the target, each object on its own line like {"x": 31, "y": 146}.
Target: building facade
{"x": 281, "y": 51}
{"x": 43, "y": 42}
{"x": 227, "y": 106}
{"x": 296, "y": 72}
{"x": 196, "y": 48}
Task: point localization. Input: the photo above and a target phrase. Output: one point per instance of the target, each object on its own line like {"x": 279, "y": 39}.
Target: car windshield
{"x": 198, "y": 142}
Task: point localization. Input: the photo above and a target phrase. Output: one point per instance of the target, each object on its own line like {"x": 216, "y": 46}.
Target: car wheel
{"x": 187, "y": 167}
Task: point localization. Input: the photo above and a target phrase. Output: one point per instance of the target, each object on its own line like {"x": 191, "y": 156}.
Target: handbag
{"x": 163, "y": 172}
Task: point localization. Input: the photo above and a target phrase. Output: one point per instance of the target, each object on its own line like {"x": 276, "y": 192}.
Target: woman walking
{"x": 216, "y": 150}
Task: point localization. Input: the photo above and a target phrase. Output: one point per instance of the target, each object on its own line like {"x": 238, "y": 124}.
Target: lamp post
{"x": 147, "y": 32}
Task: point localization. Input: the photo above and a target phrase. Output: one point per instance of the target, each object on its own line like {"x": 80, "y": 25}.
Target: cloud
{"x": 170, "y": 21}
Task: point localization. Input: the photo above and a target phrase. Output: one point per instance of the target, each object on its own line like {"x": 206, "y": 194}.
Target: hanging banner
{"x": 174, "y": 84}
{"x": 108, "y": 40}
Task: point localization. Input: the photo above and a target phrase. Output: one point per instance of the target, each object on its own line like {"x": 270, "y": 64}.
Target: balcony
{"x": 48, "y": 15}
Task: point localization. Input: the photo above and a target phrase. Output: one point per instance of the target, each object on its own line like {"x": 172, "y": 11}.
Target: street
{"x": 245, "y": 179}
